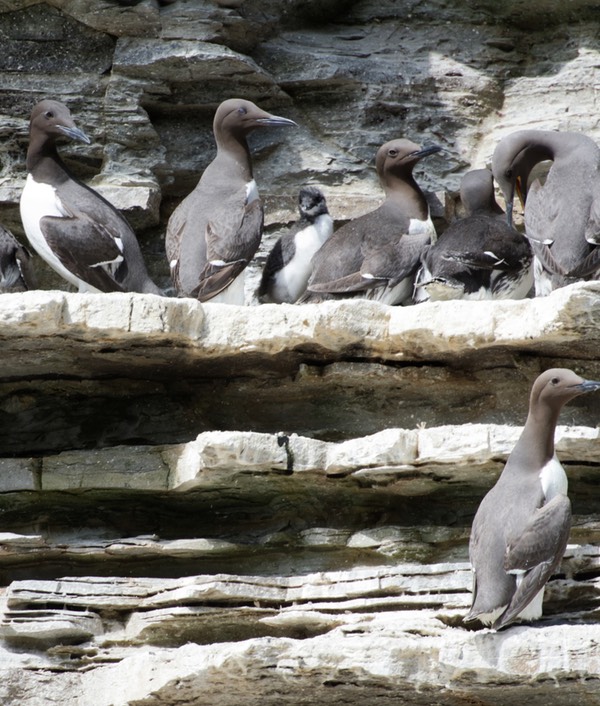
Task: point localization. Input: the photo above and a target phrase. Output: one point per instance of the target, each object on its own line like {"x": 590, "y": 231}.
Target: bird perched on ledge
{"x": 479, "y": 256}
{"x": 76, "y": 231}
{"x": 562, "y": 216}
{"x": 16, "y": 271}
{"x": 288, "y": 266}
{"x": 522, "y": 526}
{"x": 377, "y": 255}
{"x": 214, "y": 232}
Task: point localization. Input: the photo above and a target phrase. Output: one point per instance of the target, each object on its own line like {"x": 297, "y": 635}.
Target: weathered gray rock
{"x": 272, "y": 505}
{"x": 393, "y": 629}
{"x": 193, "y": 368}
{"x": 410, "y": 495}
{"x": 216, "y": 458}
{"x": 432, "y": 332}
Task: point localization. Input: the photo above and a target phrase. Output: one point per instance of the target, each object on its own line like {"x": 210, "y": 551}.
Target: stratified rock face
{"x": 93, "y": 371}
{"x": 144, "y": 562}
{"x": 271, "y": 505}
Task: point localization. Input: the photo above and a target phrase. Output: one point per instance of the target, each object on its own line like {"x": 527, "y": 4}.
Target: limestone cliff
{"x": 271, "y": 505}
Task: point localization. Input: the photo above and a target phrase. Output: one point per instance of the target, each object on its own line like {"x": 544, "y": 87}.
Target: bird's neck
{"x": 536, "y": 442}
{"x": 233, "y": 152}
{"x": 405, "y": 191}
{"x": 44, "y": 162}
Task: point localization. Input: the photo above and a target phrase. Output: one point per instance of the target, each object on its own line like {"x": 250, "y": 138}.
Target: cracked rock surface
{"x": 271, "y": 505}
{"x": 150, "y": 554}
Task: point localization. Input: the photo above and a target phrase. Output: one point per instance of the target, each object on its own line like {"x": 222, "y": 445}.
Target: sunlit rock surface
{"x": 271, "y": 505}
{"x": 164, "y": 517}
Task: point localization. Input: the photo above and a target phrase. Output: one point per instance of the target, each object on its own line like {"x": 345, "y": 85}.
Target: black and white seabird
{"x": 479, "y": 256}
{"x": 562, "y": 216}
{"x": 288, "y": 266}
{"x": 214, "y": 232}
{"x": 521, "y": 528}
{"x": 16, "y": 269}
{"x": 76, "y": 231}
{"x": 377, "y": 255}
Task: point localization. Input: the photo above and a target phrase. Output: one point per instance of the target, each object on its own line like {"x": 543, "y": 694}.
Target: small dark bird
{"x": 214, "y": 232}
{"x": 479, "y": 256}
{"x": 522, "y": 526}
{"x": 288, "y": 265}
{"x": 16, "y": 270}
{"x": 562, "y": 216}
{"x": 76, "y": 231}
{"x": 377, "y": 255}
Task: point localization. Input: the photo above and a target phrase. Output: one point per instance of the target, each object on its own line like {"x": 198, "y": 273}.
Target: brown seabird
{"x": 521, "y": 528}
{"x": 288, "y": 266}
{"x": 479, "y": 256}
{"x": 76, "y": 231}
{"x": 562, "y": 216}
{"x": 214, "y": 232}
{"x": 377, "y": 255}
{"x": 16, "y": 270}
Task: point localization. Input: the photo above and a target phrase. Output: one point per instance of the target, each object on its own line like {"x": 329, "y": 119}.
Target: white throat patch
{"x": 554, "y": 479}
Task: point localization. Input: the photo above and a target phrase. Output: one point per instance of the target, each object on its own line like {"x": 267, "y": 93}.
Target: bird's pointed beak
{"x": 588, "y": 386}
{"x": 520, "y": 191}
{"x": 275, "y": 121}
{"x": 426, "y": 151}
{"x": 74, "y": 133}
{"x": 509, "y": 206}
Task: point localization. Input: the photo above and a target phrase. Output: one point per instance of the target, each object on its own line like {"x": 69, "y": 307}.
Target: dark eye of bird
{"x": 393, "y": 153}
{"x": 49, "y": 114}
{"x": 509, "y": 173}
{"x": 555, "y": 381}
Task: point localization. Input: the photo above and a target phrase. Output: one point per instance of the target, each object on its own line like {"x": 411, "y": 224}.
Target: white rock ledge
{"x": 387, "y": 630}
{"x": 386, "y": 658}
{"x": 440, "y": 454}
{"x": 426, "y": 332}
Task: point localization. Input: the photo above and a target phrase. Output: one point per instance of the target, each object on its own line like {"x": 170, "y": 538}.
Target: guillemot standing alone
{"x": 376, "y": 255}
{"x": 479, "y": 256}
{"x": 76, "y": 231}
{"x": 214, "y": 232}
{"x": 562, "y": 218}
{"x": 16, "y": 271}
{"x": 288, "y": 265}
{"x": 521, "y": 528}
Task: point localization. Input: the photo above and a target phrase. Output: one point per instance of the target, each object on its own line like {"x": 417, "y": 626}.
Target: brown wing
{"x": 397, "y": 260}
{"x": 175, "y": 228}
{"x": 231, "y": 243}
{"x": 86, "y": 248}
{"x": 493, "y": 245}
{"x": 16, "y": 270}
{"x": 354, "y": 282}
{"x": 537, "y": 551}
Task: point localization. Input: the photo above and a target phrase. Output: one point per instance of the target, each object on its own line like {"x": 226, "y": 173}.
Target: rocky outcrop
{"x": 327, "y": 562}
{"x": 271, "y": 505}
{"x": 100, "y": 370}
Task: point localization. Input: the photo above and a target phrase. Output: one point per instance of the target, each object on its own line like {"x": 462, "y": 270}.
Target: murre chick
{"x": 289, "y": 264}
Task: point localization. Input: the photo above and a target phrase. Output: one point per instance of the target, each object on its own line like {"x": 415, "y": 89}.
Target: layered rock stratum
{"x": 203, "y": 504}
{"x": 255, "y": 563}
